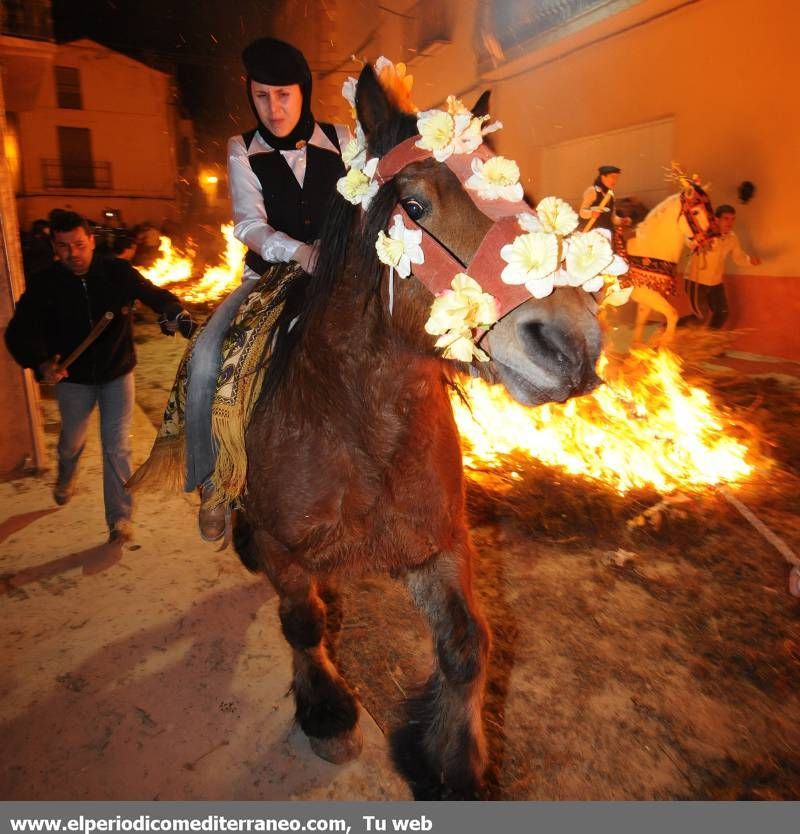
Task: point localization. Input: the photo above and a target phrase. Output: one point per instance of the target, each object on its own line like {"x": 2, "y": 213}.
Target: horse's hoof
{"x": 339, "y": 749}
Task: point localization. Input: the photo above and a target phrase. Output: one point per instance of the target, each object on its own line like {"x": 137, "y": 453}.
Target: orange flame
{"x": 648, "y": 427}
{"x": 172, "y": 266}
{"x": 176, "y": 267}
{"x": 218, "y": 281}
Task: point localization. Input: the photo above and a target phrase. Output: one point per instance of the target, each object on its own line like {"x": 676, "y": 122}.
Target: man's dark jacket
{"x": 58, "y": 309}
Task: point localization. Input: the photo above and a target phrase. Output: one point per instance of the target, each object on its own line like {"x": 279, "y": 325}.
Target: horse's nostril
{"x": 548, "y": 343}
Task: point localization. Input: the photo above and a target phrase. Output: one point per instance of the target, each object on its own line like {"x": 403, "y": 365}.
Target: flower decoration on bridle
{"x": 548, "y": 253}
{"x": 454, "y": 130}
{"x": 552, "y": 253}
{"x": 456, "y": 313}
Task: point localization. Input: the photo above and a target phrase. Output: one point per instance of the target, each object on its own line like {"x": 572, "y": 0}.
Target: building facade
{"x": 636, "y": 83}
{"x": 92, "y": 130}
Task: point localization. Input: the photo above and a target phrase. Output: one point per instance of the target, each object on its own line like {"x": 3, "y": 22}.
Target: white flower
{"x": 532, "y": 259}
{"x": 529, "y": 222}
{"x": 556, "y": 216}
{"x": 445, "y": 133}
{"x": 456, "y": 312}
{"x": 460, "y": 345}
{"x": 357, "y": 187}
{"x": 436, "y": 130}
{"x": 455, "y": 107}
{"x": 354, "y": 154}
{"x": 588, "y": 254}
{"x": 400, "y": 248}
{"x": 349, "y": 93}
{"x": 468, "y": 135}
{"x": 495, "y": 179}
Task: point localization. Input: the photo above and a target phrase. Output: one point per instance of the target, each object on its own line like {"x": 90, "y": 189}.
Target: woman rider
{"x": 281, "y": 175}
{"x": 597, "y": 195}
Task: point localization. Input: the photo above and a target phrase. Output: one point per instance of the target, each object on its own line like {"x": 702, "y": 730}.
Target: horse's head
{"x": 542, "y": 349}
{"x": 697, "y": 212}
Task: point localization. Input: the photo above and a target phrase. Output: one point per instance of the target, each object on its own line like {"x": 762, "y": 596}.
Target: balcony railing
{"x": 57, "y": 173}
{"x": 26, "y": 19}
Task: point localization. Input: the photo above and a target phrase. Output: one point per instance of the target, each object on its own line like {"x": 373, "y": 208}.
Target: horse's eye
{"x": 413, "y": 208}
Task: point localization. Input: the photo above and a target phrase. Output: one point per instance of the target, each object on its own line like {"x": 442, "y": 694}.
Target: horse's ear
{"x": 481, "y": 106}
{"x": 372, "y": 105}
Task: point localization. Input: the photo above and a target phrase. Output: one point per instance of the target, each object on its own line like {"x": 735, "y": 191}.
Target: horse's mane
{"x": 339, "y": 248}
{"x": 659, "y": 234}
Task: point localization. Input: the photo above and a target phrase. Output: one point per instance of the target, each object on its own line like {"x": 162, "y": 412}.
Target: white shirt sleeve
{"x": 588, "y": 198}
{"x": 250, "y": 223}
{"x": 740, "y": 257}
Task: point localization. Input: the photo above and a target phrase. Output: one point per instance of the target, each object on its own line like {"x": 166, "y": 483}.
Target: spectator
{"x": 37, "y": 251}
{"x": 57, "y": 311}
{"x": 124, "y": 246}
{"x": 704, "y": 273}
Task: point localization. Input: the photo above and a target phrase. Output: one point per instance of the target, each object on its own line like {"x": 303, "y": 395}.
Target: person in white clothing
{"x": 704, "y": 273}
{"x": 281, "y": 176}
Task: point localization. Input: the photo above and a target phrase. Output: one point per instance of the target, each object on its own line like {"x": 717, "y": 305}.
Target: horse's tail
{"x": 163, "y": 469}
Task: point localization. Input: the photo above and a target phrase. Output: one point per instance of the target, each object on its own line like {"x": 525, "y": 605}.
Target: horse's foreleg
{"x": 642, "y": 315}
{"x": 649, "y": 300}
{"x": 442, "y": 750}
{"x": 326, "y": 707}
{"x": 334, "y": 614}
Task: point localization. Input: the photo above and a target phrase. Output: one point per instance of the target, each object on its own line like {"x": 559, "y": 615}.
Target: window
{"x": 428, "y": 23}
{"x": 508, "y": 24}
{"x": 75, "y": 154}
{"x": 68, "y": 88}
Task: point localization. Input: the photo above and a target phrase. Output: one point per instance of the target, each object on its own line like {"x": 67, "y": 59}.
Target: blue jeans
{"x": 204, "y": 368}
{"x": 115, "y": 400}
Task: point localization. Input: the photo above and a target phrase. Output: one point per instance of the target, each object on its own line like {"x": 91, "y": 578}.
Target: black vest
{"x": 604, "y": 221}
{"x": 295, "y": 211}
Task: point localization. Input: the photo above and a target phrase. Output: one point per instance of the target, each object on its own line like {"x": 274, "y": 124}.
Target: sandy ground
{"x": 153, "y": 671}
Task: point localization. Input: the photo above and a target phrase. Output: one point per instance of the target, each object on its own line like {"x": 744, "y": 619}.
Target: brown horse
{"x": 355, "y": 464}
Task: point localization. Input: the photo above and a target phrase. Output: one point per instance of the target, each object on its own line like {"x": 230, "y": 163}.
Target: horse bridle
{"x": 439, "y": 266}
{"x": 701, "y": 237}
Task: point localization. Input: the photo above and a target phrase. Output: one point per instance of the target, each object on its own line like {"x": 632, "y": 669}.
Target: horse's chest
{"x": 383, "y": 486}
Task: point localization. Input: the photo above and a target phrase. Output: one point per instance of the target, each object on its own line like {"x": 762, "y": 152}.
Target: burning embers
{"x": 175, "y": 267}
{"x": 647, "y": 427}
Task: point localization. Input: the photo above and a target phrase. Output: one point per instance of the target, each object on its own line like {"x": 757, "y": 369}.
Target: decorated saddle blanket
{"x": 653, "y": 273}
{"x": 246, "y": 352}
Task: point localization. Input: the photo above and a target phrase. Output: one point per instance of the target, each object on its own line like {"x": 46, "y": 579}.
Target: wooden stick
{"x": 775, "y": 540}
{"x": 93, "y": 334}
{"x": 599, "y": 207}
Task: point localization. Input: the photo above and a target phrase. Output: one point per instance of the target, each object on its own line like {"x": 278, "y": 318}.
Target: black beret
{"x": 608, "y": 169}
{"x": 274, "y": 62}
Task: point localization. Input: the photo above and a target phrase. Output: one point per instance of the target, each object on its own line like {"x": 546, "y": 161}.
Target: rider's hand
{"x": 51, "y": 371}
{"x": 306, "y": 255}
{"x": 755, "y": 261}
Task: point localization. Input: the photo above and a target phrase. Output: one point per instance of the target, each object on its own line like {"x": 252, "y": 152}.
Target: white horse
{"x": 682, "y": 219}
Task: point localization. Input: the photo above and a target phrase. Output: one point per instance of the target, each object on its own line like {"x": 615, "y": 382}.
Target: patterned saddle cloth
{"x": 246, "y": 352}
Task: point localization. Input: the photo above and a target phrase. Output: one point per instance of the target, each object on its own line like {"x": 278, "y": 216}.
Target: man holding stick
{"x": 72, "y": 326}
{"x": 597, "y": 204}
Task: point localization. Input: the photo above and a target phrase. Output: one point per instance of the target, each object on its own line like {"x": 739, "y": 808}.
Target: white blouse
{"x": 250, "y": 222}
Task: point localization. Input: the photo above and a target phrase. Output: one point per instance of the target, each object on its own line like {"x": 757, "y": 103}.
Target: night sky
{"x": 200, "y": 42}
